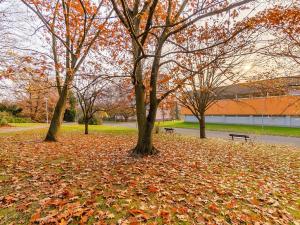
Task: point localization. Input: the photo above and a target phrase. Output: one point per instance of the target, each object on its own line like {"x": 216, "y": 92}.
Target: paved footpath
{"x": 17, "y": 129}
{"x": 270, "y": 139}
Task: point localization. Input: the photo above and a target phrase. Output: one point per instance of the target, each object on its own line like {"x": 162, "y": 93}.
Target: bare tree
{"x": 205, "y": 87}
{"x": 223, "y": 66}
{"x": 91, "y": 92}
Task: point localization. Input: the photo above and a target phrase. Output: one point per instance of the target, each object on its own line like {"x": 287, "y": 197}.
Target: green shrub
{"x": 11, "y": 119}
{"x": 19, "y": 120}
{"x": 3, "y": 122}
{"x": 70, "y": 115}
{"x": 10, "y": 108}
{"x": 93, "y": 121}
{"x": 5, "y": 114}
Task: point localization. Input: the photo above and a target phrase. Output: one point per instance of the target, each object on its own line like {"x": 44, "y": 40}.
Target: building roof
{"x": 272, "y": 106}
{"x": 273, "y": 87}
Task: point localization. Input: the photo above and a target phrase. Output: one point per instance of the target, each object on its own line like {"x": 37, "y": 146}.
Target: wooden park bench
{"x": 246, "y": 137}
{"x": 169, "y": 130}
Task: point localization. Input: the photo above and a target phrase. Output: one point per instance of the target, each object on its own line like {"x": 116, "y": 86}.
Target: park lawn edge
{"x": 249, "y": 129}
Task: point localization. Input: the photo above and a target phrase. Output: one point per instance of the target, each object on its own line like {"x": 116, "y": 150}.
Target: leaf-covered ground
{"x": 91, "y": 180}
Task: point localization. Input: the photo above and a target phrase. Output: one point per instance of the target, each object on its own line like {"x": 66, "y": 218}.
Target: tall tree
{"x": 75, "y": 27}
{"x": 156, "y": 29}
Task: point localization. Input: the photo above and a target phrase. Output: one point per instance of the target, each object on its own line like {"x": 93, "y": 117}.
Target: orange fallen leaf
{"x": 135, "y": 211}
{"x": 140, "y": 213}
{"x": 214, "y": 208}
{"x": 9, "y": 199}
{"x": 84, "y": 219}
{"x": 152, "y": 189}
{"x": 63, "y": 222}
{"x": 164, "y": 214}
{"x": 182, "y": 210}
{"x": 35, "y": 217}
{"x": 231, "y": 204}
{"x": 254, "y": 201}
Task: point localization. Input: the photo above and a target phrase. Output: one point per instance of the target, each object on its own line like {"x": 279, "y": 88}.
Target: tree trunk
{"x": 202, "y": 126}
{"x": 86, "y": 126}
{"x": 145, "y": 144}
{"x": 145, "y": 123}
{"x": 177, "y": 117}
{"x": 57, "y": 115}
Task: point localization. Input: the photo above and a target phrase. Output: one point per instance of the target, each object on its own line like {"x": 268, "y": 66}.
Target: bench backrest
{"x": 239, "y": 135}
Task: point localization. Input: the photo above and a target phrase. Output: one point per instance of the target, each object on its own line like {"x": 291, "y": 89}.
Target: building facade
{"x": 246, "y": 105}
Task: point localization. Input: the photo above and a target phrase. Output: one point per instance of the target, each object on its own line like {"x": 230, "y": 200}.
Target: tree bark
{"x": 57, "y": 115}
{"x": 86, "y": 126}
{"x": 145, "y": 123}
{"x": 145, "y": 138}
{"x": 202, "y": 125}
{"x": 144, "y": 144}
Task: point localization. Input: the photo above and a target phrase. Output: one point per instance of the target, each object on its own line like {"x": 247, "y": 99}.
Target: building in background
{"x": 273, "y": 102}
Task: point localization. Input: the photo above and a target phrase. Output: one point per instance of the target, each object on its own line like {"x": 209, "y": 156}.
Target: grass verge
{"x": 266, "y": 130}
{"x": 27, "y": 124}
{"x": 39, "y": 130}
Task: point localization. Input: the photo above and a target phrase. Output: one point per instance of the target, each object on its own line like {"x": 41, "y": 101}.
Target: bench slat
{"x": 239, "y": 135}
{"x": 169, "y": 130}
{"x": 246, "y": 137}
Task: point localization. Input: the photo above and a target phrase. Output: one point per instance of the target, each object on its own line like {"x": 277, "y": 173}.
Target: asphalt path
{"x": 269, "y": 139}
{"x": 17, "y": 129}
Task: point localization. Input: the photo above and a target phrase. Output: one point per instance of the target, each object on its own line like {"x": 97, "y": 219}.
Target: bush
{"x": 5, "y": 115}
{"x": 11, "y": 119}
{"x": 3, "y": 122}
{"x": 70, "y": 115}
{"x": 10, "y": 108}
{"x": 19, "y": 120}
{"x": 93, "y": 121}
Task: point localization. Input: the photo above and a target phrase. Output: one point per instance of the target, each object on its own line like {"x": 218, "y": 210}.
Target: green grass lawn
{"x": 268, "y": 130}
{"x": 26, "y": 124}
{"x": 66, "y": 128}
{"x": 97, "y": 128}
